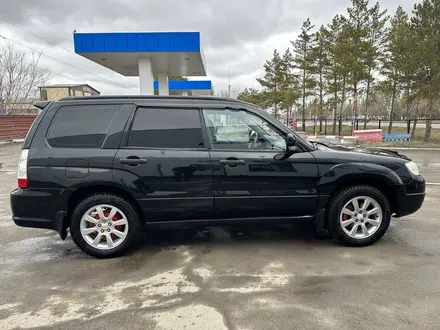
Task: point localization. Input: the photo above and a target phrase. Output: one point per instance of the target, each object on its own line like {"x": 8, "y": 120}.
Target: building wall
{"x": 19, "y": 108}
{"x": 15, "y": 127}
{"x": 54, "y": 94}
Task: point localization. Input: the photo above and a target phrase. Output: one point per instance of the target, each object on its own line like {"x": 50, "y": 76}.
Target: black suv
{"x": 106, "y": 167}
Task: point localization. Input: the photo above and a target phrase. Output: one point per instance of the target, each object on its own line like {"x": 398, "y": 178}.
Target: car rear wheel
{"x": 104, "y": 225}
{"x": 359, "y": 215}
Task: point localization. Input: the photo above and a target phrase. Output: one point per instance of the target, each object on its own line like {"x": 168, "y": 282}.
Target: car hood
{"x": 369, "y": 151}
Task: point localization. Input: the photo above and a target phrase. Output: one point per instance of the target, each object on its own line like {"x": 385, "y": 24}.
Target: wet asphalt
{"x": 225, "y": 278}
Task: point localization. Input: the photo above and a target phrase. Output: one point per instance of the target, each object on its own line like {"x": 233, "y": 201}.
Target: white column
{"x": 184, "y": 93}
{"x": 146, "y": 76}
{"x": 163, "y": 83}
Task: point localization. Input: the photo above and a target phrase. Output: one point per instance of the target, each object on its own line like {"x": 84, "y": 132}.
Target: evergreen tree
{"x": 426, "y": 26}
{"x": 302, "y": 48}
{"x": 375, "y": 48}
{"x": 320, "y": 64}
{"x": 397, "y": 56}
{"x": 337, "y": 72}
{"x": 356, "y": 33}
{"x": 290, "y": 93}
{"x": 251, "y": 95}
{"x": 272, "y": 81}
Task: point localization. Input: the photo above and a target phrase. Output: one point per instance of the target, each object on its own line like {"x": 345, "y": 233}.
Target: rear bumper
{"x": 39, "y": 209}
{"x": 33, "y": 222}
{"x": 410, "y": 197}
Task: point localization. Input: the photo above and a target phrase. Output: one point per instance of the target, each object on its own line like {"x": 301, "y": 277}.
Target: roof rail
{"x": 118, "y": 97}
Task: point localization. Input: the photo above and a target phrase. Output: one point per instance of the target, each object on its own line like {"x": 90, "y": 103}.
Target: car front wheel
{"x": 104, "y": 225}
{"x": 359, "y": 215}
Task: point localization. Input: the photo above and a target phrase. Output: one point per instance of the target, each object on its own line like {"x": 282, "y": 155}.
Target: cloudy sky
{"x": 237, "y": 35}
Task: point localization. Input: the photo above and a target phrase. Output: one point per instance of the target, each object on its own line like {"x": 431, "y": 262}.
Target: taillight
{"x": 22, "y": 169}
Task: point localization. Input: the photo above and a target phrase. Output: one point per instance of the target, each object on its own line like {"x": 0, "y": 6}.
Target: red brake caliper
{"x": 346, "y": 216}
{"x": 116, "y": 217}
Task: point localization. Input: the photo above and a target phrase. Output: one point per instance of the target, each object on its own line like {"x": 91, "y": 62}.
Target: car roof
{"x": 161, "y": 101}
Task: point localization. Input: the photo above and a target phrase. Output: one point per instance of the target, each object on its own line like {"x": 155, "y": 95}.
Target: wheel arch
{"x": 82, "y": 192}
{"x": 375, "y": 181}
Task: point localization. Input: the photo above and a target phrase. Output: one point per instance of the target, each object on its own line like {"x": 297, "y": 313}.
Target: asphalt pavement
{"x": 225, "y": 278}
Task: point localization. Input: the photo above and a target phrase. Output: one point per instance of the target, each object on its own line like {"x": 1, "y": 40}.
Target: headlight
{"x": 412, "y": 167}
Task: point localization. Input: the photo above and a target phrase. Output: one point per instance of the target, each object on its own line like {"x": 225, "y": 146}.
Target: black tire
{"x": 110, "y": 199}
{"x": 341, "y": 198}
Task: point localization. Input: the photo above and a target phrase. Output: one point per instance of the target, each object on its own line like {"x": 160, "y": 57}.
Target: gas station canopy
{"x": 177, "y": 53}
{"x": 145, "y": 54}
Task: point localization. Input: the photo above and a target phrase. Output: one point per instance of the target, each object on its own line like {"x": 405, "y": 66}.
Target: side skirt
{"x": 230, "y": 221}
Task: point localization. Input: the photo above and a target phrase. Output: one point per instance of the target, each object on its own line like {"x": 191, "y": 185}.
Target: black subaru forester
{"x": 108, "y": 167}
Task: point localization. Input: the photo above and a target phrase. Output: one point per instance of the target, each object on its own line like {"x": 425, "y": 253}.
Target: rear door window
{"x": 81, "y": 126}
{"x": 166, "y": 128}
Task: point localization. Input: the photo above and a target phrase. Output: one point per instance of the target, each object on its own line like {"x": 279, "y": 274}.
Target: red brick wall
{"x": 15, "y": 127}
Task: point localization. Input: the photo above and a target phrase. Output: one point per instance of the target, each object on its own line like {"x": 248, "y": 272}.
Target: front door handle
{"x": 132, "y": 161}
{"x": 232, "y": 162}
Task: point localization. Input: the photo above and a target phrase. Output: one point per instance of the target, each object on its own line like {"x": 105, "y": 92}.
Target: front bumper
{"x": 410, "y": 197}
{"x": 39, "y": 209}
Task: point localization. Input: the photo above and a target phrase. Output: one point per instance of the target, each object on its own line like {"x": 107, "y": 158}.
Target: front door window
{"x": 241, "y": 130}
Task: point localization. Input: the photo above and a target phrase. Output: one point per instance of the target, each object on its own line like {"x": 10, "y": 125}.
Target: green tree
{"x": 251, "y": 95}
{"x": 272, "y": 81}
{"x": 289, "y": 88}
{"x": 425, "y": 23}
{"x": 356, "y": 33}
{"x": 302, "y": 48}
{"x": 320, "y": 64}
{"x": 338, "y": 68}
{"x": 375, "y": 48}
{"x": 399, "y": 50}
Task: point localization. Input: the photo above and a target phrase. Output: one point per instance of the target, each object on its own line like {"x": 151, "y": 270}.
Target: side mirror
{"x": 291, "y": 148}
{"x": 290, "y": 140}
{"x": 290, "y": 143}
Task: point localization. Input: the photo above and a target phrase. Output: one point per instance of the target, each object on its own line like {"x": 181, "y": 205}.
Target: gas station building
{"x": 149, "y": 54}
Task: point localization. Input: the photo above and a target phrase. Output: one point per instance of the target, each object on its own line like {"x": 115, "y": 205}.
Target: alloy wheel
{"x": 104, "y": 227}
{"x": 361, "y": 217}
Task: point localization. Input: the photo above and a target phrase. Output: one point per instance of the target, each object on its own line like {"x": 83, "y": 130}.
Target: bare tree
{"x": 20, "y": 77}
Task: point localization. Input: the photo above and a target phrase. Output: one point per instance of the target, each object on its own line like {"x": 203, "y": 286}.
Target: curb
{"x": 404, "y": 148}
{"x": 11, "y": 141}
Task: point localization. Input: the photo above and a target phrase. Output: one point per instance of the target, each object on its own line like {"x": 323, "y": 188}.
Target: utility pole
{"x": 316, "y": 117}
{"x": 355, "y": 105}
{"x": 229, "y": 84}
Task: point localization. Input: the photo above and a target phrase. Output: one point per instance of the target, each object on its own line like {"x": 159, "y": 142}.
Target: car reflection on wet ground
{"x": 279, "y": 277}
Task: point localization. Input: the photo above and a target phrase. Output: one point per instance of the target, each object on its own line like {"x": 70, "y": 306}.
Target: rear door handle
{"x": 132, "y": 161}
{"x": 232, "y": 162}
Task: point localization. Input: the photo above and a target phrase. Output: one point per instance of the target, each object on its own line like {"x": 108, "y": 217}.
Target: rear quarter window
{"x": 82, "y": 126}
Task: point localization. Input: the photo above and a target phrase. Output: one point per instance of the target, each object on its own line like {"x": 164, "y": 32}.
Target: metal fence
{"x": 415, "y": 127}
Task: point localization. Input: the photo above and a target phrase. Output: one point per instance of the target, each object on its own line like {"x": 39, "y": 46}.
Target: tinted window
{"x": 166, "y": 128}
{"x": 81, "y": 126}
